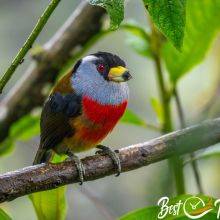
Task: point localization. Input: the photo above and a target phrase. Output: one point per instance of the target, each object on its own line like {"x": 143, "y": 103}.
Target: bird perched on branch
{"x": 83, "y": 107}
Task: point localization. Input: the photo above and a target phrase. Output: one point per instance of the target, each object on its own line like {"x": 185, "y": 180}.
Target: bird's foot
{"x": 79, "y": 166}
{"x": 103, "y": 150}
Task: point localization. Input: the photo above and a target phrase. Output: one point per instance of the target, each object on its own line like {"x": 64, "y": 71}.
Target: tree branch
{"x": 48, "y": 176}
{"x": 28, "y": 43}
{"x": 28, "y": 93}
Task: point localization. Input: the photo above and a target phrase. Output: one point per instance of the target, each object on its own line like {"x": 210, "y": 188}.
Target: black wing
{"x": 54, "y": 124}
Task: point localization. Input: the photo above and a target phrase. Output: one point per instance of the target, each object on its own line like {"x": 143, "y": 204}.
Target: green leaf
{"x": 137, "y": 38}
{"x": 138, "y": 44}
{"x": 142, "y": 214}
{"x": 131, "y": 118}
{"x": 202, "y": 24}
{"x": 26, "y": 128}
{"x": 22, "y": 130}
{"x": 115, "y": 9}
{"x": 156, "y": 105}
{"x": 169, "y": 17}
{"x": 59, "y": 158}
{"x": 4, "y": 215}
{"x": 51, "y": 204}
{"x": 149, "y": 213}
{"x": 6, "y": 147}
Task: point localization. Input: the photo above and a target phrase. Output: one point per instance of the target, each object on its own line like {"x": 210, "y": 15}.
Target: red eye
{"x": 101, "y": 68}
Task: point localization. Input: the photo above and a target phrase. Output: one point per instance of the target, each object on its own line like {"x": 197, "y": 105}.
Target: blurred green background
{"x": 135, "y": 189}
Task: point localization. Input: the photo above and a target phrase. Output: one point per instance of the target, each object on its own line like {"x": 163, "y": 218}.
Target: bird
{"x": 83, "y": 108}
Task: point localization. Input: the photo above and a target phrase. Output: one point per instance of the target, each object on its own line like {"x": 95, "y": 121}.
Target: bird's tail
{"x": 43, "y": 156}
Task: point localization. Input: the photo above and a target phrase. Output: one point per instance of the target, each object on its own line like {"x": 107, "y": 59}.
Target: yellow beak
{"x": 119, "y": 74}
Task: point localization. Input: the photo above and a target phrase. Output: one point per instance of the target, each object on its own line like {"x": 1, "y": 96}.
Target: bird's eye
{"x": 101, "y": 68}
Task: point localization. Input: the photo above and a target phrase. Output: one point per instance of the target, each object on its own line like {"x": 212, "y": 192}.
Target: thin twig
{"x": 155, "y": 44}
{"x": 167, "y": 127}
{"x": 48, "y": 176}
{"x": 28, "y": 43}
{"x": 183, "y": 125}
{"x": 179, "y": 108}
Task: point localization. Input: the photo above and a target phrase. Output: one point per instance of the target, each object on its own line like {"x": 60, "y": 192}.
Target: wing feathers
{"x": 57, "y": 111}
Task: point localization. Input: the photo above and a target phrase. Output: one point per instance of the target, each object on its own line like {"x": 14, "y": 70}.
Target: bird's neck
{"x": 104, "y": 92}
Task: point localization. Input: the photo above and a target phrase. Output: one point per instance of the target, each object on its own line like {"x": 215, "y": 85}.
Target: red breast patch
{"x": 103, "y": 117}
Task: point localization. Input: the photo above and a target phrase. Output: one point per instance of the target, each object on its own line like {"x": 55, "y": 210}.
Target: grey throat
{"x": 87, "y": 81}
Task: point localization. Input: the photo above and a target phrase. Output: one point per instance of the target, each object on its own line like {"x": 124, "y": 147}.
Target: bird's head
{"x": 100, "y": 74}
{"x": 102, "y": 64}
